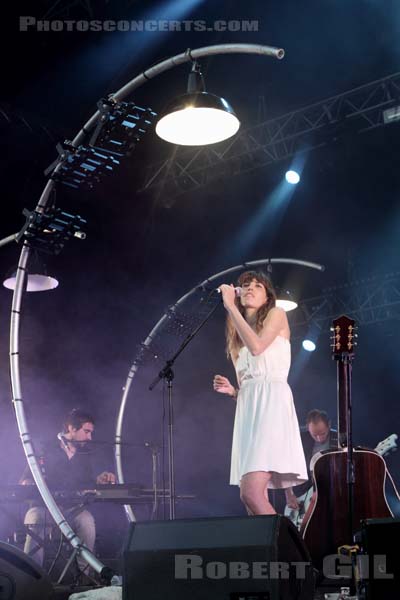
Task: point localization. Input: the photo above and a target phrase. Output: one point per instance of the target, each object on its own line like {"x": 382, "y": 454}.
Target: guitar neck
{"x": 343, "y": 400}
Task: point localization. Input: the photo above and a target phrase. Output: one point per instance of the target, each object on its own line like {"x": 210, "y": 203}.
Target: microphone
{"x": 238, "y": 291}
{"x": 65, "y": 441}
{"x": 61, "y": 438}
{"x": 151, "y": 446}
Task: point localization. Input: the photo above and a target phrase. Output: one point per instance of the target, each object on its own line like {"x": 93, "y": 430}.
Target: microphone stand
{"x": 167, "y": 373}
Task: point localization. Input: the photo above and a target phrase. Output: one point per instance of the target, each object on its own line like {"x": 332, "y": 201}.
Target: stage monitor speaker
{"x": 381, "y": 570}
{"x": 21, "y": 578}
{"x": 229, "y": 558}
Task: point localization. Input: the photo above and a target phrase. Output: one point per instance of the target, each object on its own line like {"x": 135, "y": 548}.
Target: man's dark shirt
{"x": 62, "y": 473}
{"x": 308, "y": 446}
{"x": 65, "y": 473}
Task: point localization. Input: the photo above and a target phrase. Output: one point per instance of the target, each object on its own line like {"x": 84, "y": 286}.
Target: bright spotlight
{"x": 308, "y": 345}
{"x": 292, "y": 177}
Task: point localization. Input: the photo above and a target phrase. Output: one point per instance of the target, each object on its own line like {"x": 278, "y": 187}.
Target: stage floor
{"x": 63, "y": 592}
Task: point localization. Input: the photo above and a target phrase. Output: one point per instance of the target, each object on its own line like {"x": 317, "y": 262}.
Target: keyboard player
{"x": 67, "y": 464}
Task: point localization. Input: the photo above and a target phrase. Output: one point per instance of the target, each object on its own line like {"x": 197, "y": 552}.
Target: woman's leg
{"x": 254, "y": 493}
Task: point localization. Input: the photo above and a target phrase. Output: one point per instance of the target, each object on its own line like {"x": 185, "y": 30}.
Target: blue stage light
{"x": 292, "y": 177}
{"x": 308, "y": 345}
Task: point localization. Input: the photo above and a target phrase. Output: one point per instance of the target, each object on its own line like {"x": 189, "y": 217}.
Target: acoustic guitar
{"x": 297, "y": 515}
{"x": 349, "y": 483}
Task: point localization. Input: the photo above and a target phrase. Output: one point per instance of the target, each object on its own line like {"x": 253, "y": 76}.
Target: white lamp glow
{"x": 287, "y": 305}
{"x": 198, "y": 119}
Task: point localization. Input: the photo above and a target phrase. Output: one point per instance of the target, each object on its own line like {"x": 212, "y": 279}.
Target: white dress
{"x": 266, "y": 434}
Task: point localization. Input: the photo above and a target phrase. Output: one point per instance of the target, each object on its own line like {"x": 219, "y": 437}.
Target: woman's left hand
{"x": 228, "y": 295}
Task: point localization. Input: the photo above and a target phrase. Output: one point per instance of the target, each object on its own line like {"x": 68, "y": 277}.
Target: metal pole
{"x": 171, "y": 449}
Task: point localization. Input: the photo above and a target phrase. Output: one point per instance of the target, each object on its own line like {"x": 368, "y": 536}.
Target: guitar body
{"x": 326, "y": 527}
{"x": 297, "y": 516}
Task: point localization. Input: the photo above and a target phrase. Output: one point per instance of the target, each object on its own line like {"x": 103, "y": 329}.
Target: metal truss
{"x": 63, "y": 8}
{"x": 368, "y": 301}
{"x": 68, "y": 8}
{"x": 28, "y": 124}
{"x": 354, "y": 111}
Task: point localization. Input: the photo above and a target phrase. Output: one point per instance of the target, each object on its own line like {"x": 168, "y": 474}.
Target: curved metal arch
{"x": 16, "y": 388}
{"x": 147, "y": 343}
{"x": 26, "y": 439}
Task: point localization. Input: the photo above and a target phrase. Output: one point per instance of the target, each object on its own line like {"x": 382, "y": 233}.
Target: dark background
{"x": 139, "y": 257}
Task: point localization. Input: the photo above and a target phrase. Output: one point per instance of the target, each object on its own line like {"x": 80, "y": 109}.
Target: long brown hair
{"x": 233, "y": 340}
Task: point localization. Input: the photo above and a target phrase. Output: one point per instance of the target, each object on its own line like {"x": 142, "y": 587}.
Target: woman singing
{"x": 266, "y": 447}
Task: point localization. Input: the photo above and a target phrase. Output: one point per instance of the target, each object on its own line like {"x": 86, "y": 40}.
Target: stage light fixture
{"x": 292, "y": 177}
{"x": 391, "y": 115}
{"x": 49, "y": 231}
{"x": 121, "y": 126}
{"x": 285, "y": 300}
{"x": 38, "y": 279}
{"x": 197, "y": 118}
{"x": 309, "y": 345}
{"x": 37, "y": 282}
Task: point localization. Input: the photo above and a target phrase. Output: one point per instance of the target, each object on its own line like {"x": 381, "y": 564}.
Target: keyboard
{"x": 122, "y": 493}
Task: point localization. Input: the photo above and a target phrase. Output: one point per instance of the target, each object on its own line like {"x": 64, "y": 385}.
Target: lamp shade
{"x": 285, "y": 300}
{"x": 197, "y": 119}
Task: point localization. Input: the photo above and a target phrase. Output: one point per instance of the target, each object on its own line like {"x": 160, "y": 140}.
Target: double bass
{"x": 349, "y": 484}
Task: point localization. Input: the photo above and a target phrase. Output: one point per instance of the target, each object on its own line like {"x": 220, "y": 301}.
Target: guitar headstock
{"x": 343, "y": 337}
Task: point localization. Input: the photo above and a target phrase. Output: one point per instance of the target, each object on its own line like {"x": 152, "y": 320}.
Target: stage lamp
{"x": 391, "y": 115}
{"x": 197, "y": 118}
{"x": 286, "y": 300}
{"x": 308, "y": 345}
{"x": 292, "y": 177}
{"x": 38, "y": 280}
